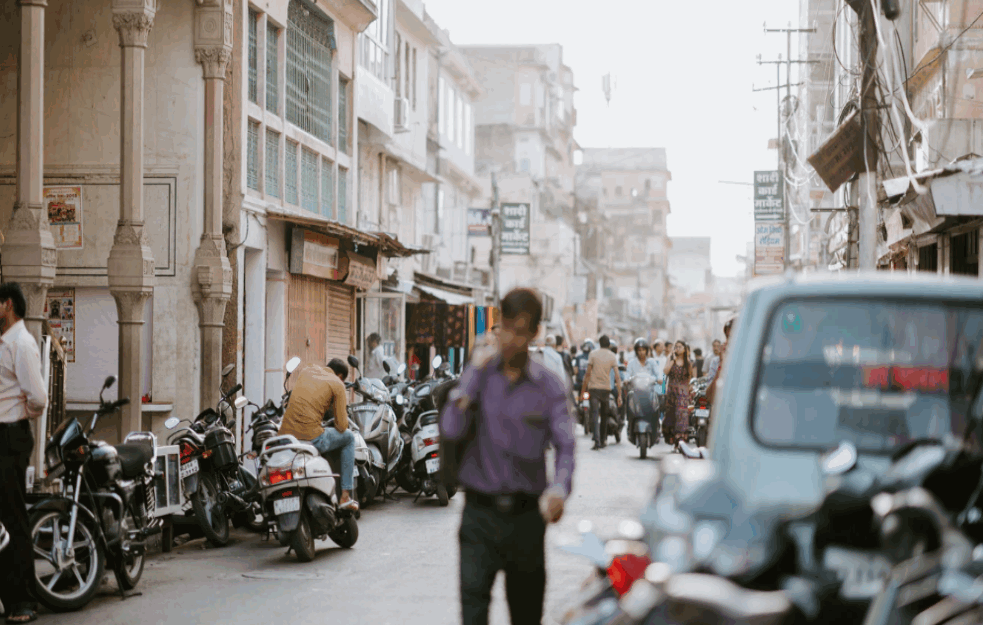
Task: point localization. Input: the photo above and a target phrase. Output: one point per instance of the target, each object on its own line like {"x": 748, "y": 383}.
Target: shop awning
{"x": 387, "y": 245}
{"x": 454, "y": 299}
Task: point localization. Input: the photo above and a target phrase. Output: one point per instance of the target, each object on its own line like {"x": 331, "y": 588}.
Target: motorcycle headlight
{"x": 400, "y": 400}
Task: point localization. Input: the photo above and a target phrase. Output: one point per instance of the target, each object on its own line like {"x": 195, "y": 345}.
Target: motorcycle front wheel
{"x": 63, "y": 583}
{"x": 643, "y": 444}
{"x": 208, "y": 513}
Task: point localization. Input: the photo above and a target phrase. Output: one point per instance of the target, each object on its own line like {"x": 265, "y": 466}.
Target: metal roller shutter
{"x": 341, "y": 317}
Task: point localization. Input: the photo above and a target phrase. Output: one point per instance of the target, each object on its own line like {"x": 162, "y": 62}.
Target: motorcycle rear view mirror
{"x": 401, "y": 369}
{"x": 292, "y": 365}
{"x": 385, "y": 365}
{"x": 353, "y": 362}
{"x": 437, "y": 361}
{"x": 840, "y": 460}
{"x": 171, "y": 423}
{"x": 229, "y": 368}
{"x": 241, "y": 402}
{"x": 109, "y": 382}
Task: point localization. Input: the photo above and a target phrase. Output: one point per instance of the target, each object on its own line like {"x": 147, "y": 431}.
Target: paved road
{"x": 402, "y": 570}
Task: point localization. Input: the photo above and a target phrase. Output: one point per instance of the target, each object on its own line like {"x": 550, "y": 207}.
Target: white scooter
{"x": 301, "y": 492}
{"x": 425, "y": 453}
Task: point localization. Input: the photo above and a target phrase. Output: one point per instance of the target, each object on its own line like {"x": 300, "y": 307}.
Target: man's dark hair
{"x": 11, "y": 292}
{"x": 523, "y": 302}
{"x": 340, "y": 367}
{"x": 697, "y": 352}
{"x": 559, "y": 340}
{"x": 605, "y": 341}
{"x": 374, "y": 338}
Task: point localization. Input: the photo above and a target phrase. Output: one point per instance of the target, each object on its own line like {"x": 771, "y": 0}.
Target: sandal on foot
{"x": 22, "y": 615}
{"x": 351, "y": 504}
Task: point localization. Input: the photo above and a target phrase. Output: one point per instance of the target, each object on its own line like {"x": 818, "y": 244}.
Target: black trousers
{"x": 17, "y": 560}
{"x": 493, "y": 541}
{"x": 599, "y": 414}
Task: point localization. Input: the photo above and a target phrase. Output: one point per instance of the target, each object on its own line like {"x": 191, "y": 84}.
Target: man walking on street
{"x": 374, "y": 367}
{"x": 601, "y": 365}
{"x": 23, "y": 395}
{"x": 506, "y": 409}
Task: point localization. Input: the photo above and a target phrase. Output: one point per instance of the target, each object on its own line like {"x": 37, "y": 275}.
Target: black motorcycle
{"x": 214, "y": 479}
{"x": 103, "y": 516}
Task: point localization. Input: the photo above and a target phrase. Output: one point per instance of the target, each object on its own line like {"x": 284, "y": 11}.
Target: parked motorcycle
{"x": 424, "y": 456}
{"x": 418, "y": 400}
{"x": 699, "y": 412}
{"x": 644, "y": 405}
{"x": 214, "y": 479}
{"x": 103, "y": 516}
{"x": 301, "y": 493}
{"x": 376, "y": 423}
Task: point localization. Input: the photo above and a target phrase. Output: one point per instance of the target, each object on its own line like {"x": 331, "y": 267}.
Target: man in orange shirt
{"x": 317, "y": 391}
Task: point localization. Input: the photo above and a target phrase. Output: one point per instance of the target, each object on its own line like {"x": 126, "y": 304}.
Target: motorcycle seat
{"x": 133, "y": 457}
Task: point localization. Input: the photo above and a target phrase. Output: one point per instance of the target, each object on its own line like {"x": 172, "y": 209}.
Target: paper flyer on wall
{"x": 59, "y": 310}
{"x": 64, "y": 206}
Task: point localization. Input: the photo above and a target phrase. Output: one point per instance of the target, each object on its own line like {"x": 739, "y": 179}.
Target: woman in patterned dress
{"x": 679, "y": 371}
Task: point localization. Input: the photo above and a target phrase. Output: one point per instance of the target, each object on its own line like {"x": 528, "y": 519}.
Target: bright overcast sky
{"x": 684, "y": 74}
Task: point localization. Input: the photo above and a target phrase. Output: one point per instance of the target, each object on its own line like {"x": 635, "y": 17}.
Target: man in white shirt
{"x": 554, "y": 361}
{"x": 374, "y": 367}
{"x": 23, "y": 395}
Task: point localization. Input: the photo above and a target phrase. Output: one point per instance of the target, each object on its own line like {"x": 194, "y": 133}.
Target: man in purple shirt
{"x": 518, "y": 407}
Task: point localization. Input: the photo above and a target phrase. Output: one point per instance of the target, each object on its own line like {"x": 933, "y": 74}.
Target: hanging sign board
{"x": 59, "y": 310}
{"x": 479, "y": 222}
{"x": 361, "y": 271}
{"x": 769, "y": 249}
{"x": 768, "y": 204}
{"x": 515, "y": 229}
{"x": 315, "y": 255}
{"x": 841, "y": 156}
{"x": 64, "y": 208}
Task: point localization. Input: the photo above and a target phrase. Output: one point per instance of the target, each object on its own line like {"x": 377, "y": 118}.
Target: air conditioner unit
{"x": 402, "y": 117}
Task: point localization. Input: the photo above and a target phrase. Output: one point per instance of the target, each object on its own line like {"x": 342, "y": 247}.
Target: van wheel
{"x": 302, "y": 539}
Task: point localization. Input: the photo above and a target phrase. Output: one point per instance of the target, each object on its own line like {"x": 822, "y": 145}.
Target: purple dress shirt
{"x": 515, "y": 424}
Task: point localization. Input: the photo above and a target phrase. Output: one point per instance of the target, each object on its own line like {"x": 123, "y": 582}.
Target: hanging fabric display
{"x": 457, "y": 326}
{"x": 480, "y": 321}
{"x": 425, "y": 322}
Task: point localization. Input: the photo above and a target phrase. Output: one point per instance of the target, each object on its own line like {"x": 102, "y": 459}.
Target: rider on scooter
{"x": 642, "y": 362}
{"x": 317, "y": 391}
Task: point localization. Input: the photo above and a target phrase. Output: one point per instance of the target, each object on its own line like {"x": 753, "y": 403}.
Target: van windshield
{"x": 877, "y": 373}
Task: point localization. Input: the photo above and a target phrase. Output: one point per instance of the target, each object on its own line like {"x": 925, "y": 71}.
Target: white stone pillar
{"x": 212, "y": 283}
{"x": 28, "y": 253}
{"x": 131, "y": 263}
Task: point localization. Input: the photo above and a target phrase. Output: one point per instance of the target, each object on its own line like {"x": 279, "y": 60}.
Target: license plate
{"x": 430, "y": 431}
{"x": 433, "y": 465}
{"x": 283, "y": 506}
{"x": 703, "y": 412}
{"x": 862, "y": 573}
{"x": 190, "y": 468}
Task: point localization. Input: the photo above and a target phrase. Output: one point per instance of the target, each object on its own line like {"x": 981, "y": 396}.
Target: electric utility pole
{"x": 870, "y": 126}
{"x": 496, "y": 232}
{"x": 788, "y": 62}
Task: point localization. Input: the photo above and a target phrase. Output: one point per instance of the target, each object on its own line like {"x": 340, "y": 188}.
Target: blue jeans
{"x": 331, "y": 440}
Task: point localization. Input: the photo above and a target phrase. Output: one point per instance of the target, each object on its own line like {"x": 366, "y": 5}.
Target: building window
{"x": 525, "y": 94}
{"x": 310, "y": 43}
{"x": 525, "y": 165}
{"x": 965, "y": 250}
{"x": 308, "y": 180}
{"x": 617, "y": 191}
{"x": 468, "y": 129}
{"x": 459, "y": 119}
{"x": 252, "y": 156}
{"x": 398, "y": 69}
{"x": 343, "y": 114}
{"x": 451, "y": 124}
{"x": 440, "y": 210}
{"x": 375, "y": 43}
{"x": 395, "y": 194}
{"x": 414, "y": 78}
{"x": 291, "y": 172}
{"x": 327, "y": 188}
{"x": 928, "y": 258}
{"x": 253, "y": 57}
{"x": 342, "y": 195}
{"x": 441, "y": 111}
{"x": 409, "y": 74}
{"x": 272, "y": 68}
{"x": 272, "y": 163}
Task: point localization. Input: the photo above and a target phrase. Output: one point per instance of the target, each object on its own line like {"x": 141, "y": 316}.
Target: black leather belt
{"x": 511, "y": 503}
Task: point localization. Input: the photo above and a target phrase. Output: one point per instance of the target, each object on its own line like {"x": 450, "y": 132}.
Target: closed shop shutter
{"x": 341, "y": 306}
{"x": 306, "y": 318}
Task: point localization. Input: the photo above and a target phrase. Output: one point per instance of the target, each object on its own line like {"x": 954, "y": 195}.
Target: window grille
{"x": 291, "y": 172}
{"x": 272, "y": 163}
{"x": 253, "y": 58}
{"x": 342, "y": 195}
{"x": 343, "y": 115}
{"x": 310, "y": 42}
{"x": 308, "y": 180}
{"x": 252, "y": 156}
{"x": 272, "y": 68}
{"x": 327, "y": 189}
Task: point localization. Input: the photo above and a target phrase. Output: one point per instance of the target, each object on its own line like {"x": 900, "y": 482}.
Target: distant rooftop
{"x": 624, "y": 158}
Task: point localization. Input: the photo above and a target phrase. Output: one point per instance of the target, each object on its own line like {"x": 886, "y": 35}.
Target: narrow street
{"x": 402, "y": 570}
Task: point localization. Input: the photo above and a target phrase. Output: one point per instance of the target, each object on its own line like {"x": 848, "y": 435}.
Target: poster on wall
{"x": 769, "y": 249}
{"x": 64, "y": 207}
{"x": 59, "y": 309}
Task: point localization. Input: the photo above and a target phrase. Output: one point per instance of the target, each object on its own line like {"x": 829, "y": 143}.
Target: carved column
{"x": 131, "y": 263}
{"x": 28, "y": 254}
{"x": 212, "y": 282}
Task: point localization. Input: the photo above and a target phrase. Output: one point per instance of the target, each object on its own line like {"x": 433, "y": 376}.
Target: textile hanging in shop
{"x": 410, "y": 324}
{"x": 457, "y": 326}
{"x": 479, "y": 321}
{"x": 440, "y": 325}
{"x": 425, "y": 323}
{"x": 494, "y": 316}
